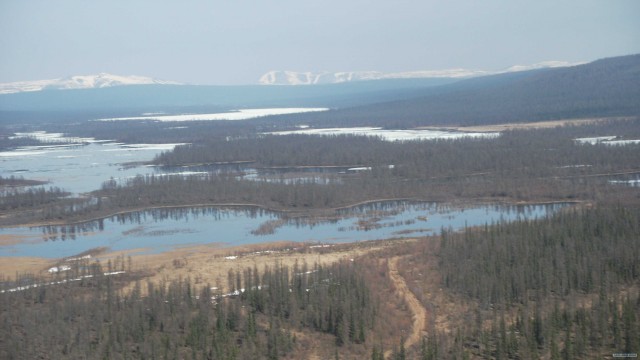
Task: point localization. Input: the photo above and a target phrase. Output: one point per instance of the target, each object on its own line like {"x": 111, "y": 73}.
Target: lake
{"x": 159, "y": 230}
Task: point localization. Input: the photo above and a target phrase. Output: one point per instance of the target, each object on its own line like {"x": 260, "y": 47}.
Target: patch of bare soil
{"x": 10, "y": 266}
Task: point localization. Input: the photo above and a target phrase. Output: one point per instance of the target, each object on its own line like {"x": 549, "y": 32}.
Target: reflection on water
{"x": 158, "y": 230}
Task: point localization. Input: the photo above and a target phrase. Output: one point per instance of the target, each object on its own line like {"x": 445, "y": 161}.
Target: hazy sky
{"x": 236, "y": 41}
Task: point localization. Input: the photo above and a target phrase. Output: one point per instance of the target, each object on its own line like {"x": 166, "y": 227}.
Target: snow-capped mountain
{"x": 101, "y": 80}
{"x": 312, "y": 78}
{"x": 541, "y": 65}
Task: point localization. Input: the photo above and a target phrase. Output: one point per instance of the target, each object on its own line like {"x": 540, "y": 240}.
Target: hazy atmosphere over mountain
{"x": 203, "y": 42}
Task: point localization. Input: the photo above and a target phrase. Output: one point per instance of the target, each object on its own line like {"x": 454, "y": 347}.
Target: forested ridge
{"x": 603, "y": 88}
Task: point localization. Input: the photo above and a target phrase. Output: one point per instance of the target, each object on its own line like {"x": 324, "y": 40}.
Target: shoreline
{"x": 208, "y": 260}
{"x": 296, "y": 213}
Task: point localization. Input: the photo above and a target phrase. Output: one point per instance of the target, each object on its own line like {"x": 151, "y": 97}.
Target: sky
{"x": 236, "y": 41}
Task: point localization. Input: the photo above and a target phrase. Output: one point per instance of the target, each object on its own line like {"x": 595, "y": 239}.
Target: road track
{"x": 419, "y": 313}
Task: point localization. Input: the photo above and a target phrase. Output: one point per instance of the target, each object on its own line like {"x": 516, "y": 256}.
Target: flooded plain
{"x": 159, "y": 230}
{"x": 81, "y": 165}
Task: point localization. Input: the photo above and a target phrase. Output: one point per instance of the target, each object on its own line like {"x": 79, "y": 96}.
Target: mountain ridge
{"x": 607, "y": 87}
{"x": 286, "y": 77}
{"x": 94, "y": 81}
{"x": 603, "y": 88}
{"x": 275, "y": 77}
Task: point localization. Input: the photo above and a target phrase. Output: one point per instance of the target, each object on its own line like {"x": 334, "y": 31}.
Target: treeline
{"x": 563, "y": 287}
{"x": 12, "y": 198}
{"x": 532, "y": 152}
{"x": 7, "y": 141}
{"x": 18, "y": 181}
{"x": 257, "y": 316}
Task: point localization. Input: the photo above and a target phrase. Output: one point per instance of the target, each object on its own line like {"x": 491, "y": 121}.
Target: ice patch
{"x": 243, "y": 114}
{"x": 626, "y": 182}
{"x": 140, "y": 147}
{"x": 21, "y": 153}
{"x": 57, "y": 269}
{"x": 26, "y": 287}
{"x": 392, "y": 135}
{"x": 606, "y": 140}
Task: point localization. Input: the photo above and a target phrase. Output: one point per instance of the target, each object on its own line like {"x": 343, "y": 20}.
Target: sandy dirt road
{"x": 419, "y": 313}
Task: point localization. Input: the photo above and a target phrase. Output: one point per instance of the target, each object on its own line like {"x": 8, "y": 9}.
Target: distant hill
{"x": 137, "y": 99}
{"x": 607, "y": 87}
{"x": 325, "y": 77}
{"x": 101, "y": 80}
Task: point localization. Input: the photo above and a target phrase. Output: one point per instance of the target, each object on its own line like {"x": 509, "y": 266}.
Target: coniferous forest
{"x": 257, "y": 316}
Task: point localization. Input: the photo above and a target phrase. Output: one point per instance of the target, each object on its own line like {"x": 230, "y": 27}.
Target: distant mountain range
{"x": 607, "y": 87}
{"x": 314, "y": 78}
{"x": 101, "y": 80}
{"x": 104, "y": 80}
{"x": 603, "y": 88}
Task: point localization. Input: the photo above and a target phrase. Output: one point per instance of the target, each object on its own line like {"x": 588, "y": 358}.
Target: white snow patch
{"x": 626, "y": 182}
{"x": 277, "y": 77}
{"x": 391, "y": 135}
{"x": 622, "y": 142}
{"x": 595, "y": 140}
{"x": 26, "y": 287}
{"x": 60, "y": 268}
{"x": 53, "y": 137}
{"x": 358, "y": 169}
{"x": 606, "y": 140}
{"x": 573, "y": 166}
{"x": 140, "y": 147}
{"x": 78, "y": 258}
{"x": 542, "y": 65}
{"x": 101, "y": 80}
{"x": 20, "y": 152}
{"x": 182, "y": 173}
{"x": 243, "y": 114}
